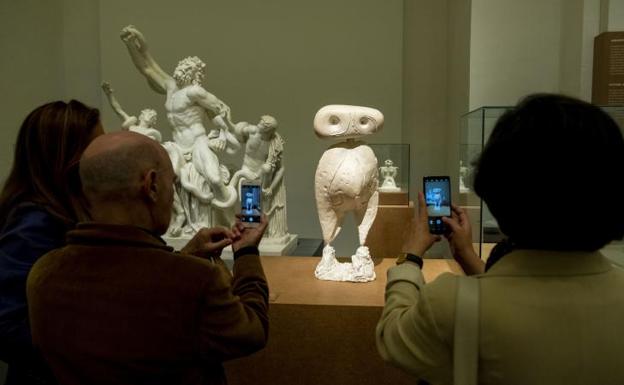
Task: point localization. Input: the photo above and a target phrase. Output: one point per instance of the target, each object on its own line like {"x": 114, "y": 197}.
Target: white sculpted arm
{"x": 108, "y": 90}
{"x": 158, "y": 79}
{"x": 277, "y": 179}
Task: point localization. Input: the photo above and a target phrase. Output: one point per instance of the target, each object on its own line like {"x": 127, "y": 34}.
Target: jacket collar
{"x": 550, "y": 263}
{"x": 92, "y": 233}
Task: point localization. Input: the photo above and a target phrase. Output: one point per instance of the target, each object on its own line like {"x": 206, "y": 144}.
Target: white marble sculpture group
{"x": 346, "y": 181}
{"x": 205, "y": 146}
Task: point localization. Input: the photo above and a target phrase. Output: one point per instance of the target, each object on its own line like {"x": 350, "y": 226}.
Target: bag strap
{"x": 466, "y": 345}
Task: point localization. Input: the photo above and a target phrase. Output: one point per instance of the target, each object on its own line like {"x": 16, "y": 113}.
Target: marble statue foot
{"x": 361, "y": 269}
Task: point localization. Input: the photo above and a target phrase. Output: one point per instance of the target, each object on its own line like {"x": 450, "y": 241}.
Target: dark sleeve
{"x": 28, "y": 235}
{"x": 234, "y": 315}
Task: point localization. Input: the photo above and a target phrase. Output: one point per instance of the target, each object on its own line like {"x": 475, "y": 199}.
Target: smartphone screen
{"x": 438, "y": 200}
{"x": 250, "y": 204}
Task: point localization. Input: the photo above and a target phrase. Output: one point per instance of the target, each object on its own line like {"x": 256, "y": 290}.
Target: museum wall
{"x": 515, "y": 49}
{"x": 31, "y": 65}
{"x": 276, "y": 57}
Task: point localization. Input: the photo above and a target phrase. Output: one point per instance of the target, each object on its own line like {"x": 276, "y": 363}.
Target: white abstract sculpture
{"x": 463, "y": 173}
{"x": 203, "y": 180}
{"x": 388, "y": 172}
{"x": 144, "y": 124}
{"x": 346, "y": 180}
{"x": 263, "y": 161}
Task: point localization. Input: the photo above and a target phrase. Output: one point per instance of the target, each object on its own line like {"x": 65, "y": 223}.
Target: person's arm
{"x": 234, "y": 320}
{"x": 108, "y": 91}
{"x": 407, "y": 333}
{"x": 158, "y": 79}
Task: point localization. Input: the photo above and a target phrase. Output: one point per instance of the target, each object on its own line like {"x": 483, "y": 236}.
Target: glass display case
{"x": 393, "y": 161}
{"x": 475, "y": 129}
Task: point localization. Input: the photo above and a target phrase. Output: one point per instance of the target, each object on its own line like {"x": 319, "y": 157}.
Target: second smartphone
{"x": 437, "y": 190}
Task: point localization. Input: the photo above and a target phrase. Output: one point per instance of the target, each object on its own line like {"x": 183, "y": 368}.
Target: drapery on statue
{"x": 203, "y": 181}
{"x": 144, "y": 124}
{"x": 263, "y": 161}
{"x": 346, "y": 180}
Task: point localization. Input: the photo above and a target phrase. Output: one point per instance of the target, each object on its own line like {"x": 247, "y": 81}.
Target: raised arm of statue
{"x": 158, "y": 79}
{"x": 108, "y": 90}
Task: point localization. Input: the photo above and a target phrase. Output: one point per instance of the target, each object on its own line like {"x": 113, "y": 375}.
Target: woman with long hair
{"x": 41, "y": 199}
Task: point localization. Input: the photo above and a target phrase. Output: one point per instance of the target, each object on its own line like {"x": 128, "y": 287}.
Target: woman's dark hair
{"x": 48, "y": 149}
{"x": 552, "y": 174}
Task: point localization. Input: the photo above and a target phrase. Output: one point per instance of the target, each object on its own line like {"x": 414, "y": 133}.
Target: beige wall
{"x": 31, "y": 65}
{"x": 515, "y": 50}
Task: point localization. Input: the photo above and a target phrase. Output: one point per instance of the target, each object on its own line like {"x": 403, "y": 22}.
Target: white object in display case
{"x": 346, "y": 181}
{"x": 463, "y": 174}
{"x": 144, "y": 124}
{"x": 388, "y": 173}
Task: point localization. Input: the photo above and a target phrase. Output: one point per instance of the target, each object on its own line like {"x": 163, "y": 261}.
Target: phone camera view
{"x": 438, "y": 197}
{"x": 250, "y": 202}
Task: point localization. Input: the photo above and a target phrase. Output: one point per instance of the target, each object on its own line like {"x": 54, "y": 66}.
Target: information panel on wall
{"x": 608, "y": 77}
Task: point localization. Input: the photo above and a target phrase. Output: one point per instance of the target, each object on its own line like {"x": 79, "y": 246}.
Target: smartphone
{"x": 251, "y": 210}
{"x": 438, "y": 199}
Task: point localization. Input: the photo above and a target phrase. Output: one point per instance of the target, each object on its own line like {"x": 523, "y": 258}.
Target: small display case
{"x": 475, "y": 129}
{"x": 393, "y": 161}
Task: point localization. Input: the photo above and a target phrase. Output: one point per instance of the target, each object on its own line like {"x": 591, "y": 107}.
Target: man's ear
{"x": 150, "y": 186}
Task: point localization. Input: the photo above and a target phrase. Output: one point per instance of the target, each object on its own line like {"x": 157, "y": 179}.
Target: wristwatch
{"x": 410, "y": 257}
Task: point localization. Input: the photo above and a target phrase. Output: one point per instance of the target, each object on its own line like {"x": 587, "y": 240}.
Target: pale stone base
{"x": 270, "y": 247}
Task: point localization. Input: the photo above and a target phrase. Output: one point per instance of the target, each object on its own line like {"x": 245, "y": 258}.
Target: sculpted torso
{"x": 256, "y": 153}
{"x": 347, "y": 176}
{"x": 185, "y": 116}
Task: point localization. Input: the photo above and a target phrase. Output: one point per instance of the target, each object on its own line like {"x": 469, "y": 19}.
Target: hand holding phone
{"x": 438, "y": 199}
{"x": 250, "y": 196}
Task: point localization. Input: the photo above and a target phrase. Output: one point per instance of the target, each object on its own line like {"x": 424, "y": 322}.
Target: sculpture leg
{"x": 363, "y": 266}
{"x": 365, "y": 217}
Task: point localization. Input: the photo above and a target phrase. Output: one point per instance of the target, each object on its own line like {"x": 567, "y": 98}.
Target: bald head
{"x": 113, "y": 165}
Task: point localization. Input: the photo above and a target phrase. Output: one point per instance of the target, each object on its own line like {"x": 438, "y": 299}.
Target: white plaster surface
{"x": 346, "y": 181}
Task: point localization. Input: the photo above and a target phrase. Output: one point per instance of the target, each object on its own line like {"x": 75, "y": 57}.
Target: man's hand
{"x": 248, "y": 236}
{"x": 209, "y": 242}
{"x": 418, "y": 239}
{"x": 460, "y": 239}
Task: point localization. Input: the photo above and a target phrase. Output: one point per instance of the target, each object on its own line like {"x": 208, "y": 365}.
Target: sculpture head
{"x": 189, "y": 70}
{"x": 267, "y": 124}
{"x": 388, "y": 162}
{"x": 344, "y": 121}
{"x": 148, "y": 117}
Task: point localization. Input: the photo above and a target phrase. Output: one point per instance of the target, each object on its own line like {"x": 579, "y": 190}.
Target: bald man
{"x": 118, "y": 306}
